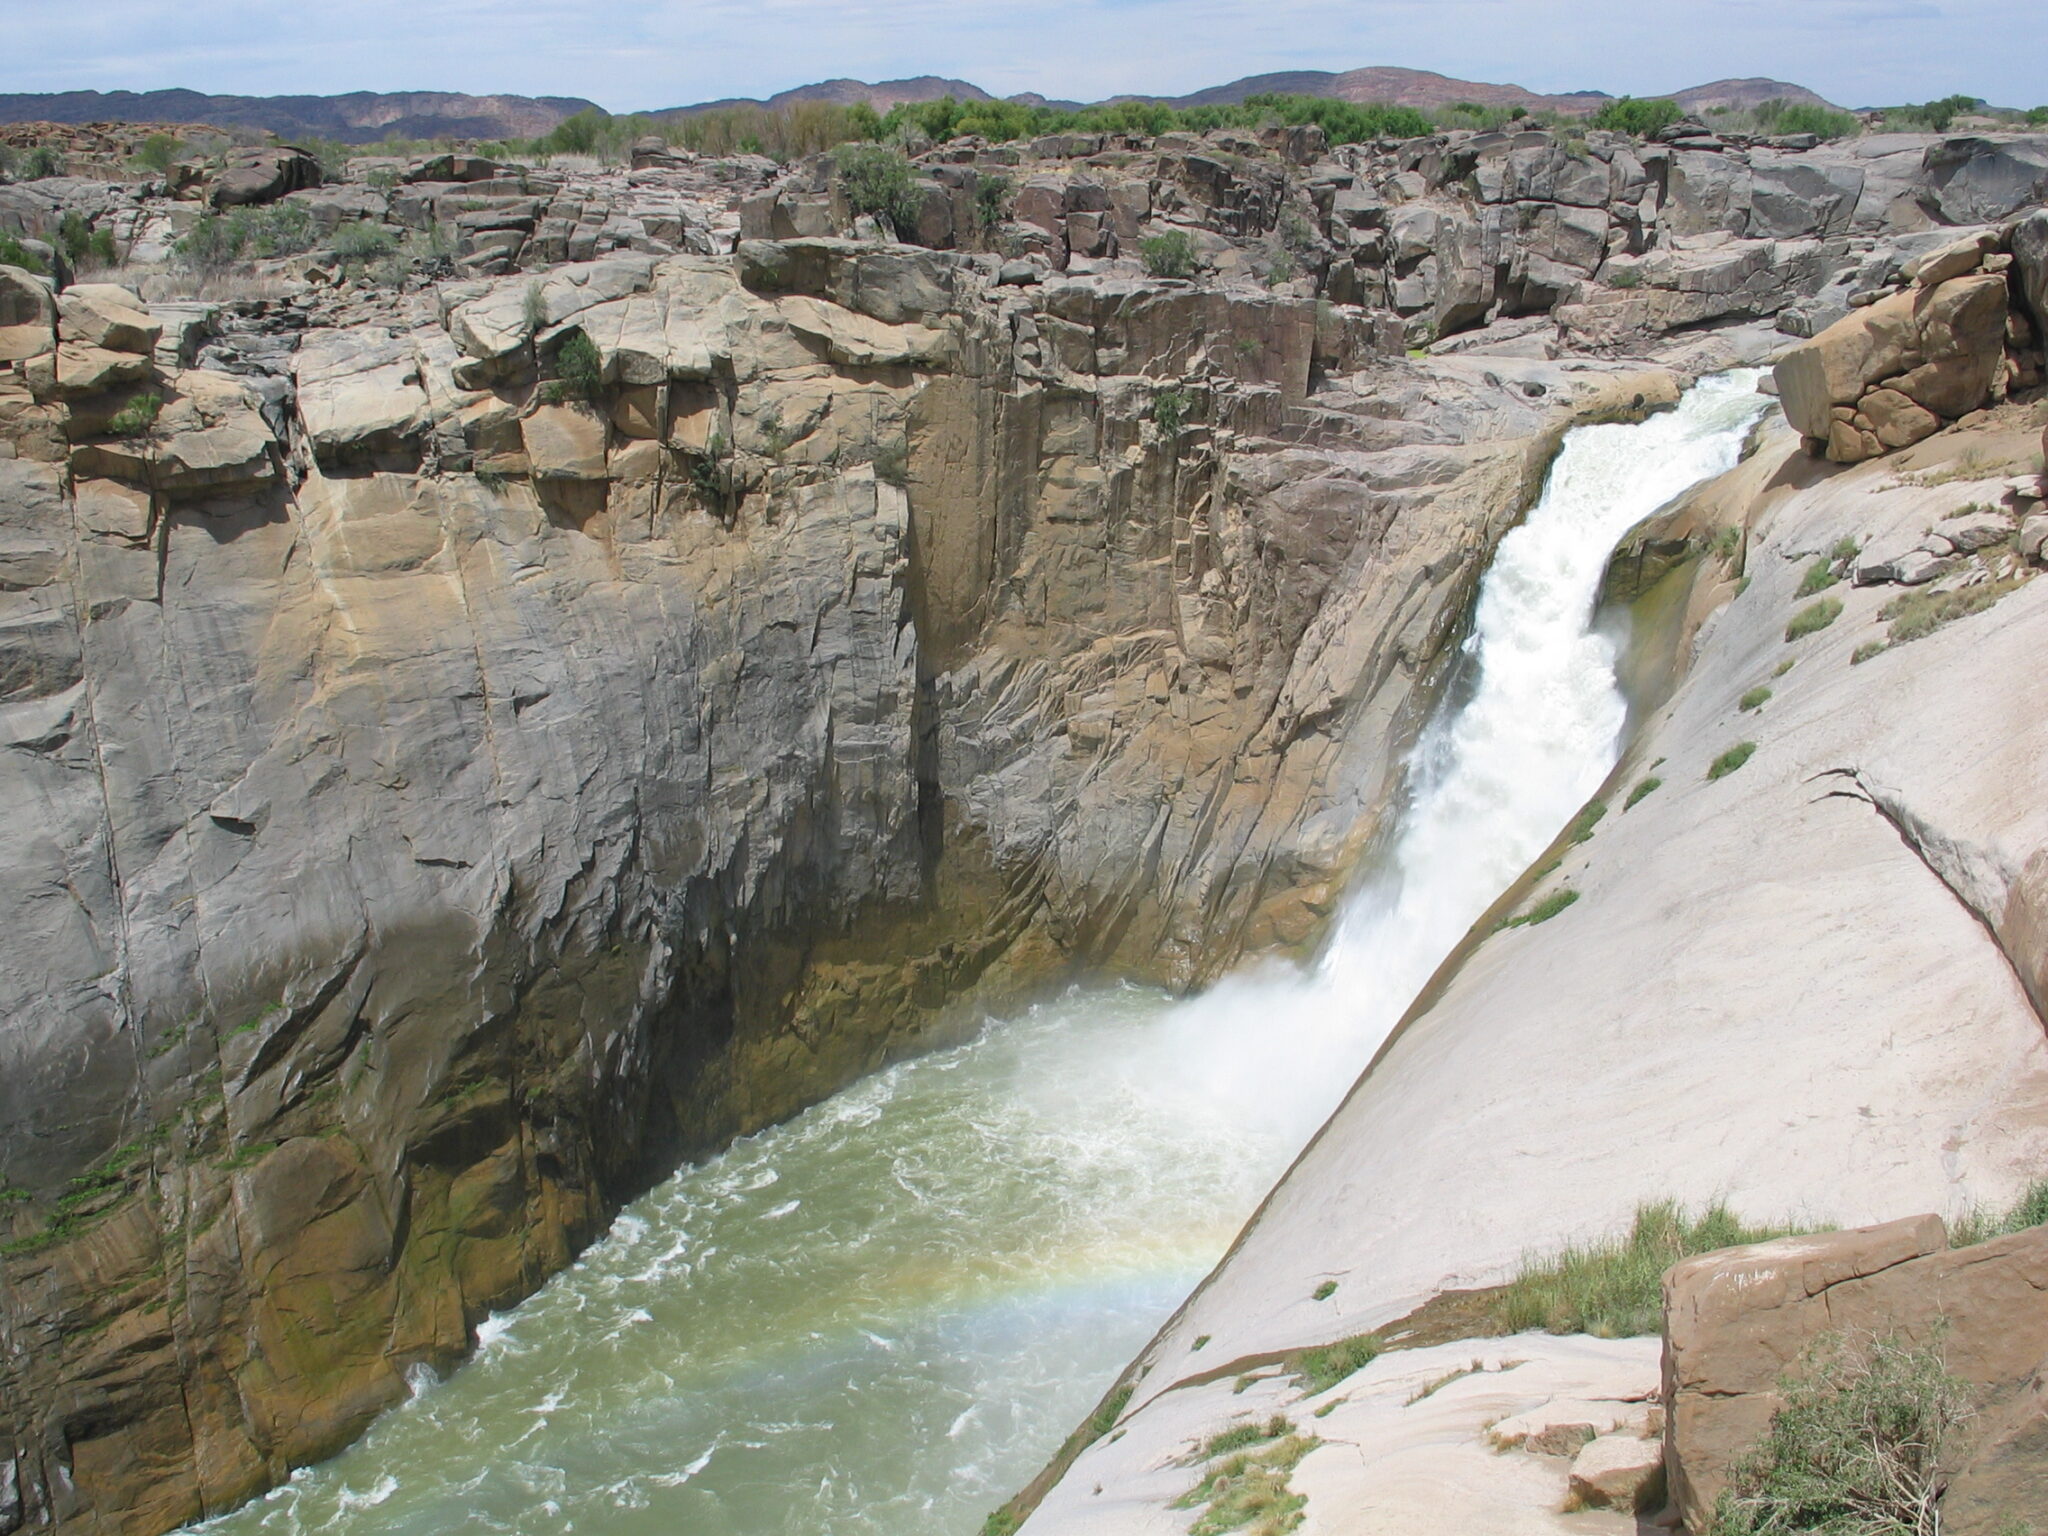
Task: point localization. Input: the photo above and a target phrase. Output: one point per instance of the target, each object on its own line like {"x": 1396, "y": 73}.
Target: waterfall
{"x": 883, "y": 1316}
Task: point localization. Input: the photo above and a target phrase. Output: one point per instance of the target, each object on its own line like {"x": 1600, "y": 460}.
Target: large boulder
{"x": 1979, "y": 181}
{"x": 1871, "y": 381}
{"x": 263, "y": 176}
{"x": 2029, "y": 242}
{"x": 1737, "y": 1321}
{"x": 105, "y": 315}
{"x": 28, "y": 315}
{"x": 359, "y": 392}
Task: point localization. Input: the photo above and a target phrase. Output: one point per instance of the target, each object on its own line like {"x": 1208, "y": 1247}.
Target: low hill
{"x": 882, "y": 95}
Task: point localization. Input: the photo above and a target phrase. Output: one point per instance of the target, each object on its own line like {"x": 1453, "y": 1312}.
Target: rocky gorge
{"x": 478, "y": 738}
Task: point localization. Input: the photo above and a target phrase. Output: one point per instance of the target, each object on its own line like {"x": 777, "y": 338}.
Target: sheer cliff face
{"x": 436, "y": 801}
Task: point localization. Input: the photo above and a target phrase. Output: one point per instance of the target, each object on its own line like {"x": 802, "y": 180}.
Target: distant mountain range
{"x": 363, "y": 117}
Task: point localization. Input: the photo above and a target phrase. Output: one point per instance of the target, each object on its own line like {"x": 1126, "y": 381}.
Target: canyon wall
{"x": 476, "y": 740}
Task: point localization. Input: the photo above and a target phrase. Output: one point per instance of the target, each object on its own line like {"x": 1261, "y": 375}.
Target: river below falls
{"x": 883, "y": 1316}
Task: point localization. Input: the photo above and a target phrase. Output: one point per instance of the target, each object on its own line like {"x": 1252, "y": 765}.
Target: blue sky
{"x": 628, "y": 54}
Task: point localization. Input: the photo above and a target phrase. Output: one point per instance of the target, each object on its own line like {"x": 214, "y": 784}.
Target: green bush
{"x": 2037, "y": 117}
{"x": 1326, "y": 1290}
{"x": 1614, "y": 1289}
{"x": 878, "y": 181}
{"x": 1856, "y": 1450}
{"x": 159, "y": 152}
{"x": 220, "y": 240}
{"x": 892, "y": 463}
{"x": 1813, "y": 618}
{"x": 1807, "y": 117}
{"x": 1637, "y": 118}
{"x": 1756, "y": 698}
{"x": 1645, "y": 787}
{"x": 136, "y": 417}
{"x": 1171, "y": 254}
{"x": 1933, "y": 116}
{"x": 358, "y": 241}
{"x": 578, "y": 370}
{"x": 1818, "y": 578}
{"x": 41, "y": 163}
{"x": 1731, "y": 760}
{"x": 14, "y": 254}
{"x": 991, "y": 199}
{"x": 1169, "y": 413}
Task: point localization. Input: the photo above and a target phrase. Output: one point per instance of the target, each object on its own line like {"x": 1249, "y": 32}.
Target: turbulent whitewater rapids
{"x": 884, "y": 1315}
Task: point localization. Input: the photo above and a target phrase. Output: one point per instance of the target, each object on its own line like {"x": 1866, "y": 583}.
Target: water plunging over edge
{"x": 882, "y": 1316}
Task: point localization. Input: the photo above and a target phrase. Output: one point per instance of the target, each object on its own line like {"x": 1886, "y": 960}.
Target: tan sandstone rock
{"x": 1737, "y": 1321}
{"x": 1619, "y": 1472}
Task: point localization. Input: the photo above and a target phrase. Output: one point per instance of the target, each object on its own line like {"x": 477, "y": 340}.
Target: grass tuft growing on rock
{"x": 1320, "y": 1369}
{"x": 1589, "y": 818}
{"x": 1326, "y": 1290}
{"x": 1818, "y": 578}
{"x": 1240, "y": 1436}
{"x": 1917, "y": 615}
{"x": 1613, "y": 1289}
{"x": 1756, "y": 698}
{"x": 1980, "y": 1225}
{"x": 1731, "y": 760}
{"x": 1248, "y": 1492}
{"x": 1813, "y": 618}
{"x": 1169, "y": 255}
{"x": 1856, "y": 1449}
{"x": 1544, "y": 910}
{"x": 1643, "y": 788}
{"x": 136, "y": 417}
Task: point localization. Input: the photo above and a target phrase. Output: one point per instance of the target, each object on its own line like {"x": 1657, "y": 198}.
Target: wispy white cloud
{"x": 647, "y": 53}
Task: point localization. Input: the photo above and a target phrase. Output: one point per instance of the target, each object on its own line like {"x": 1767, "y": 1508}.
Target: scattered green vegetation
{"x": 41, "y": 163}
{"x": 878, "y": 182}
{"x": 1614, "y": 1289}
{"x": 1756, "y": 698}
{"x": 1588, "y": 819}
{"x": 578, "y": 371}
{"x": 713, "y": 479}
{"x": 1818, "y": 578}
{"x": 1731, "y": 760}
{"x": 1200, "y": 1341}
{"x": 1782, "y": 117}
{"x": 1171, "y": 254}
{"x": 14, "y": 254}
{"x": 247, "y": 1156}
{"x": 1003, "y": 1522}
{"x": 85, "y": 246}
{"x": 361, "y": 241}
{"x": 1247, "y": 1491}
{"x": 1104, "y": 1418}
{"x": 1855, "y": 1450}
{"x": 991, "y": 199}
{"x": 1916, "y": 615}
{"x": 159, "y": 152}
{"x": 84, "y": 1197}
{"x": 1928, "y": 116}
{"x": 1783, "y": 667}
{"x": 1623, "y": 277}
{"x": 249, "y": 1026}
{"x": 1326, "y": 1290}
{"x": 1169, "y": 413}
{"x": 1980, "y": 1225}
{"x": 1544, "y": 910}
{"x": 1238, "y": 1436}
{"x": 1643, "y": 787}
{"x": 220, "y": 240}
{"x": 892, "y": 463}
{"x": 1845, "y": 550}
{"x": 136, "y": 417}
{"x": 1637, "y": 117}
{"x": 1343, "y": 122}
{"x": 1727, "y": 542}
{"x": 1320, "y": 1369}
{"x": 1865, "y": 651}
{"x": 1813, "y": 618}
{"x": 534, "y": 308}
